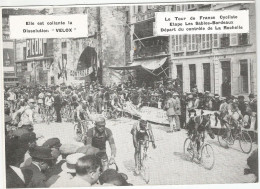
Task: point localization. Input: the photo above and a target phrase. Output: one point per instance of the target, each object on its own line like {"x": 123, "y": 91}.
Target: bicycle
{"x": 49, "y": 113}
{"x": 200, "y": 150}
{"x": 143, "y": 167}
{"x": 81, "y": 129}
{"x": 235, "y": 133}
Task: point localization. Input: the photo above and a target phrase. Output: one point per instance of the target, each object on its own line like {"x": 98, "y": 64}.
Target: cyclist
{"x": 49, "y": 100}
{"x": 230, "y": 114}
{"x": 40, "y": 102}
{"x": 141, "y": 130}
{"x": 97, "y": 138}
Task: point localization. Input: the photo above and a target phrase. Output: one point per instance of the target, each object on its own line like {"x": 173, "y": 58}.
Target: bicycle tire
{"x": 146, "y": 171}
{"x": 188, "y": 150}
{"x": 245, "y": 137}
{"x": 207, "y": 152}
{"x": 221, "y": 133}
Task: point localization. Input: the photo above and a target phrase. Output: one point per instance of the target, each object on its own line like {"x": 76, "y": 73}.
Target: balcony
{"x": 151, "y": 47}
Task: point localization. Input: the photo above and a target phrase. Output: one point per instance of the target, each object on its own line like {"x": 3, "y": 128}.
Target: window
{"x": 244, "y": 76}
{"x": 192, "y": 75}
{"x": 64, "y": 44}
{"x": 178, "y": 43}
{"x": 205, "y": 41}
{"x": 243, "y": 39}
{"x": 139, "y": 9}
{"x": 215, "y": 38}
{"x": 191, "y": 7}
{"x": 191, "y": 42}
{"x": 224, "y": 40}
{"x": 177, "y": 8}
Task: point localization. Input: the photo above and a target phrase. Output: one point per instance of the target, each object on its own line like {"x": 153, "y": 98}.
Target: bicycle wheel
{"x": 145, "y": 170}
{"x": 188, "y": 150}
{"x": 222, "y": 137}
{"x": 207, "y": 157}
{"x": 245, "y": 142}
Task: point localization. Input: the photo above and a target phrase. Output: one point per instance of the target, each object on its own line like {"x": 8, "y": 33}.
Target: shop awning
{"x": 149, "y": 64}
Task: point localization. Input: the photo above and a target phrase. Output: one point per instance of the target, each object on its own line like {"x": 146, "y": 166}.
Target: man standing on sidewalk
{"x": 177, "y": 109}
{"x": 57, "y": 106}
{"x": 170, "y": 107}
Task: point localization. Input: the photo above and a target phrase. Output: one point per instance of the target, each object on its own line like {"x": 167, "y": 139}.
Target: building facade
{"x": 223, "y": 64}
{"x": 147, "y": 47}
{"x": 10, "y": 78}
{"x": 75, "y": 60}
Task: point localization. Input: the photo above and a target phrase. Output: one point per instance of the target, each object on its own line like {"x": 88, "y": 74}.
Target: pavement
{"x": 166, "y": 163}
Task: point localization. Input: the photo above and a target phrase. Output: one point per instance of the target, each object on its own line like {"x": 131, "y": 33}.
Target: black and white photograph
{"x": 113, "y": 95}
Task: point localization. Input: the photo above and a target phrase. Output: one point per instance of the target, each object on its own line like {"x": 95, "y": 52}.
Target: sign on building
{"x": 34, "y": 48}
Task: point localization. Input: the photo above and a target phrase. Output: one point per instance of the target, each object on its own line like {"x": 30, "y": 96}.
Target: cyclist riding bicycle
{"x": 82, "y": 113}
{"x": 141, "y": 131}
{"x": 97, "y": 138}
{"x": 233, "y": 116}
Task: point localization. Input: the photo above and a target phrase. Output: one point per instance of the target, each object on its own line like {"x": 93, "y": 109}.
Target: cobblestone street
{"x": 167, "y": 159}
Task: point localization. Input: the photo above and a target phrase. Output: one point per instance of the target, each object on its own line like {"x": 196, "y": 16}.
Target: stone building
{"x": 203, "y": 60}
{"x": 76, "y": 60}
{"x": 207, "y": 60}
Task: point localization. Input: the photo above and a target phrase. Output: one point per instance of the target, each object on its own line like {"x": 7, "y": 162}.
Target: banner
{"x": 81, "y": 73}
{"x": 154, "y": 115}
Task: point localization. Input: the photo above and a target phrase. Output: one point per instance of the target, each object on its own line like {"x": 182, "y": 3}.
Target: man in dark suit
{"x": 41, "y": 160}
{"x": 15, "y": 177}
{"x": 57, "y": 106}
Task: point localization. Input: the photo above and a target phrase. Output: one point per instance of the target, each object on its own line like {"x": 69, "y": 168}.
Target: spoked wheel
{"x": 207, "y": 157}
{"x": 245, "y": 142}
{"x": 222, "y": 137}
{"x": 145, "y": 172}
{"x": 188, "y": 150}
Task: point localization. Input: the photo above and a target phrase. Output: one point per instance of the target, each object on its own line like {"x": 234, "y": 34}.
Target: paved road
{"x": 167, "y": 163}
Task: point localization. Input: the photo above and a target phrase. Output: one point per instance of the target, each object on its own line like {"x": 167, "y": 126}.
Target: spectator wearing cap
{"x": 97, "y": 138}
{"x": 68, "y": 171}
{"x": 216, "y": 103}
{"x": 111, "y": 177}
{"x": 190, "y": 105}
{"x": 41, "y": 160}
{"x": 87, "y": 172}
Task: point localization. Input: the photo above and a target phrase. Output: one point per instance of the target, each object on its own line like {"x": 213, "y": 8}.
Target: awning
{"x": 150, "y": 64}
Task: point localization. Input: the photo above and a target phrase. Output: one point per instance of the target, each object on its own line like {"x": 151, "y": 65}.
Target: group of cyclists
{"x": 79, "y": 103}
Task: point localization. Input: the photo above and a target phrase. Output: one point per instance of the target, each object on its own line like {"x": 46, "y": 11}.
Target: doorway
{"x": 206, "y": 73}
{"x": 226, "y": 78}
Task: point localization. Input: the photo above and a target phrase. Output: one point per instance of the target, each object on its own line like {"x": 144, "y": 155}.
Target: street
{"x": 166, "y": 162}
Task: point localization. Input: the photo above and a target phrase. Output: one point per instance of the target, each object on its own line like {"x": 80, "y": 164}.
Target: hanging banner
{"x": 80, "y": 73}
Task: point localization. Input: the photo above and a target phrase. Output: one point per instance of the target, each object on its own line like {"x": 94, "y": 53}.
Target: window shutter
{"x": 233, "y": 39}
{"x": 154, "y": 29}
{"x": 216, "y": 41}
